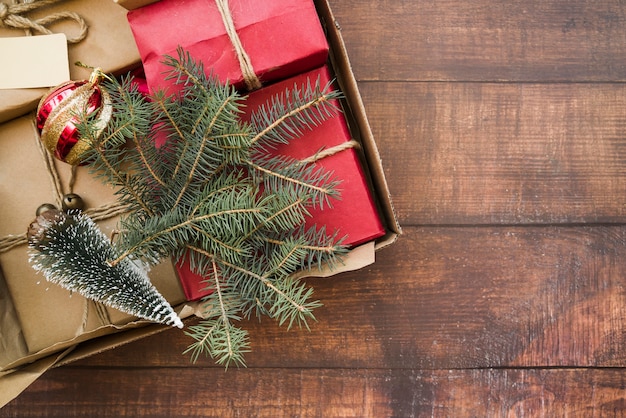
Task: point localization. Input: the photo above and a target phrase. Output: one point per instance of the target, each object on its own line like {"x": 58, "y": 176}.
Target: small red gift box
{"x": 272, "y": 39}
{"x": 355, "y": 214}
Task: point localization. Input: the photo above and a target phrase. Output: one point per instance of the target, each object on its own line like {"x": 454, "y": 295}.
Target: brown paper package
{"x": 109, "y": 45}
{"x": 49, "y": 314}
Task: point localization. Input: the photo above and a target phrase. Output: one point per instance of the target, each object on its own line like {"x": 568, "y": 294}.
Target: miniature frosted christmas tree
{"x": 212, "y": 195}
{"x": 71, "y": 251}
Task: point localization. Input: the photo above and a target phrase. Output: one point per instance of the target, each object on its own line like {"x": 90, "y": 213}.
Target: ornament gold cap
{"x": 97, "y": 75}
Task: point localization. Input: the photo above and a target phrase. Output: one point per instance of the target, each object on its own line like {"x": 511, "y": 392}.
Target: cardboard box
{"x": 17, "y": 376}
{"x": 109, "y": 44}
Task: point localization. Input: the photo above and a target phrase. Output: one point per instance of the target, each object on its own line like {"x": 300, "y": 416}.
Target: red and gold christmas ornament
{"x": 57, "y": 116}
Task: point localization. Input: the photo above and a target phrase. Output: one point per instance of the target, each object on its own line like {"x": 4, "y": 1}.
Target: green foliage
{"x": 212, "y": 194}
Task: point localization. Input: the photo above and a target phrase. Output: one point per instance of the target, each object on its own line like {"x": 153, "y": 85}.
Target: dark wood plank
{"x": 450, "y": 298}
{"x": 480, "y": 153}
{"x": 199, "y": 392}
{"x": 483, "y": 40}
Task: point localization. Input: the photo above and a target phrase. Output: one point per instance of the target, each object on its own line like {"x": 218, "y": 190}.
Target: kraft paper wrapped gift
{"x": 47, "y": 313}
{"x": 355, "y": 214}
{"x": 268, "y": 40}
{"x": 109, "y": 44}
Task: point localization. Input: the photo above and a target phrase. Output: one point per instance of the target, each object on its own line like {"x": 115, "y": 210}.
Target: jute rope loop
{"x": 11, "y": 16}
{"x": 249, "y": 76}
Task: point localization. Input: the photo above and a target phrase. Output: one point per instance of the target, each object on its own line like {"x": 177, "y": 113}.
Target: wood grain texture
{"x": 485, "y": 40}
{"x": 273, "y": 393}
{"x": 446, "y": 298}
{"x": 486, "y": 153}
{"x": 501, "y": 126}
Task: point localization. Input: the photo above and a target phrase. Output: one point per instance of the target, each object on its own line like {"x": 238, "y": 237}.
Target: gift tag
{"x": 33, "y": 61}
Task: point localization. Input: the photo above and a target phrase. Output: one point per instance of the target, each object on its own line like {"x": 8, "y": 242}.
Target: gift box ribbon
{"x": 249, "y": 76}
{"x": 11, "y": 17}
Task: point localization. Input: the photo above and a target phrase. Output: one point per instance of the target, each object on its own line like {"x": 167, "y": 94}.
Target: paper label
{"x": 34, "y": 61}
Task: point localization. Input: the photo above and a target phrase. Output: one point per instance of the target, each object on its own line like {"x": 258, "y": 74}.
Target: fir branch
{"x": 320, "y": 248}
{"x": 299, "y": 309}
{"x": 151, "y": 239}
{"x": 261, "y": 278}
{"x": 217, "y": 337}
{"x": 194, "y": 167}
{"x": 106, "y": 152}
{"x": 291, "y": 209}
{"x": 211, "y": 196}
{"x": 308, "y": 108}
{"x": 127, "y": 97}
{"x": 119, "y": 178}
{"x": 227, "y": 250}
{"x": 210, "y": 339}
{"x": 228, "y": 183}
{"x": 224, "y": 316}
{"x": 186, "y": 70}
{"x": 291, "y": 179}
{"x": 202, "y": 333}
{"x": 285, "y": 117}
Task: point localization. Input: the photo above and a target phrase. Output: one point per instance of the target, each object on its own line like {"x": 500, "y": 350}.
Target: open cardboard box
{"x": 20, "y": 372}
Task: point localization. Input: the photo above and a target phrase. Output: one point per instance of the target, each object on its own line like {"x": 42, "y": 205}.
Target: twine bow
{"x": 249, "y": 76}
{"x": 11, "y": 16}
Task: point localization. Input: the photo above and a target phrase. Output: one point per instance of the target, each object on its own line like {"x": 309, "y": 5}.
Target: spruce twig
{"x": 212, "y": 196}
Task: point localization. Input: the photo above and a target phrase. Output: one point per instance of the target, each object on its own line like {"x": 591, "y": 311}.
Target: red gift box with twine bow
{"x": 330, "y": 143}
{"x": 245, "y": 42}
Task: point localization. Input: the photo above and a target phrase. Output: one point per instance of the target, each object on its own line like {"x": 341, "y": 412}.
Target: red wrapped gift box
{"x": 355, "y": 214}
{"x": 279, "y": 38}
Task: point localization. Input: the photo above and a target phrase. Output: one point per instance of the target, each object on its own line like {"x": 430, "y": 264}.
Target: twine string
{"x": 249, "y": 76}
{"x": 48, "y": 159}
{"x": 11, "y": 16}
{"x": 101, "y": 313}
{"x": 105, "y": 211}
{"x": 327, "y": 152}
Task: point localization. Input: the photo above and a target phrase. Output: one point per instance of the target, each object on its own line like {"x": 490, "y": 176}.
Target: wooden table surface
{"x": 502, "y": 130}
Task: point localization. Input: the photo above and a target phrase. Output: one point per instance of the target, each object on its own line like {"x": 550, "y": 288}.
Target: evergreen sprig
{"x": 212, "y": 194}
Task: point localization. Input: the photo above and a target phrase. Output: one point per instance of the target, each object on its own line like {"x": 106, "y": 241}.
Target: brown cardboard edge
{"x": 348, "y": 84}
{"x": 350, "y": 89}
{"x": 13, "y": 383}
